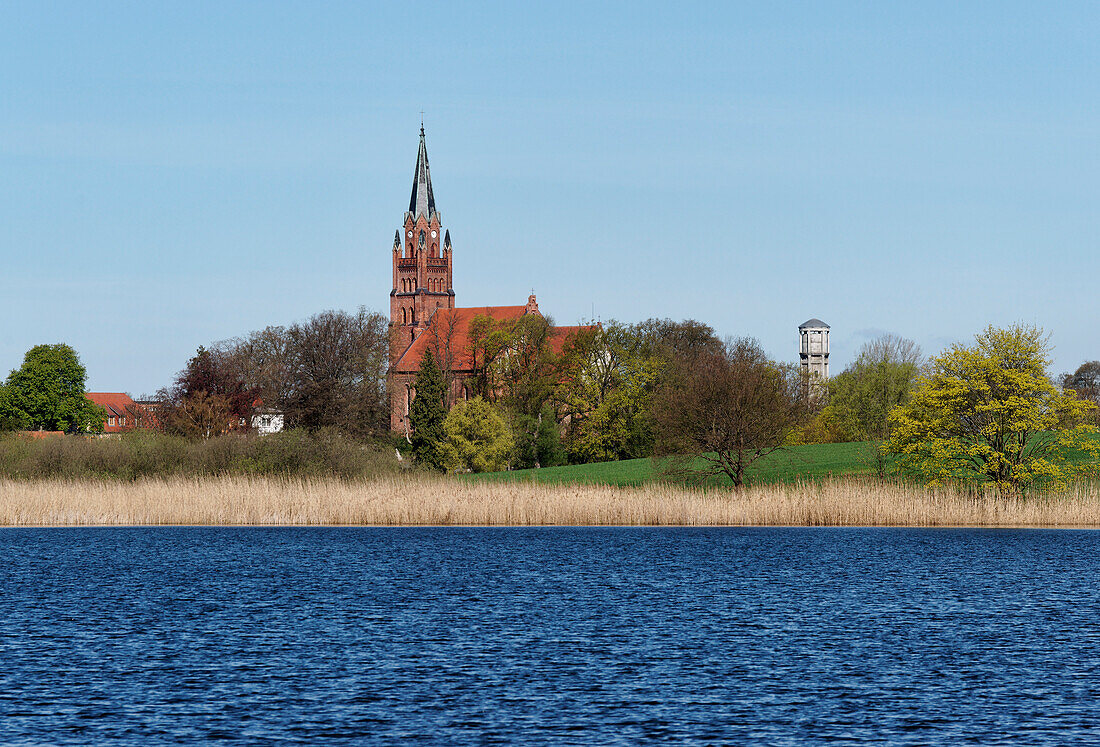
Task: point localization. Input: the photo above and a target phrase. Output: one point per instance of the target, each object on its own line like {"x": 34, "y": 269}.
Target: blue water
{"x": 572, "y": 636}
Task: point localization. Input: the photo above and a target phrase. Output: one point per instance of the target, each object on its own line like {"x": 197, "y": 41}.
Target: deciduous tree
{"x": 47, "y": 393}
{"x": 206, "y": 399}
{"x": 721, "y": 411}
{"x": 477, "y": 438}
{"x": 1085, "y": 383}
{"x": 863, "y": 395}
{"x": 988, "y": 414}
{"x": 325, "y": 372}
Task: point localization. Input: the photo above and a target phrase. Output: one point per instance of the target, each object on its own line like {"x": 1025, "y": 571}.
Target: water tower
{"x": 813, "y": 348}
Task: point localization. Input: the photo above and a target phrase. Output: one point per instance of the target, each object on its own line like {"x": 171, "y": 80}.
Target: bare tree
{"x": 721, "y": 411}
{"x": 443, "y": 341}
{"x": 328, "y": 371}
{"x": 1085, "y": 382}
{"x": 336, "y": 372}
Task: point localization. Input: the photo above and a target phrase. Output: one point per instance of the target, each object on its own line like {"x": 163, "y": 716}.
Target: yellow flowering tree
{"x": 478, "y": 439}
{"x": 988, "y": 413}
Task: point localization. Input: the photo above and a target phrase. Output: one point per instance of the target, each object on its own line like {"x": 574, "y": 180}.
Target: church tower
{"x": 421, "y": 263}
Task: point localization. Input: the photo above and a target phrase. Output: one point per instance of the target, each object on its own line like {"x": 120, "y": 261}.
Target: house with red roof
{"x": 423, "y": 315}
{"x": 123, "y": 414}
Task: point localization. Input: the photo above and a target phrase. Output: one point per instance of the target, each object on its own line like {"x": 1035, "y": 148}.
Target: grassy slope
{"x": 797, "y": 462}
{"x": 815, "y": 460}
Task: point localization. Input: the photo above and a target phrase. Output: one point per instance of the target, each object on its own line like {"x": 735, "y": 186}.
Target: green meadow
{"x": 807, "y": 462}
{"x": 813, "y": 461}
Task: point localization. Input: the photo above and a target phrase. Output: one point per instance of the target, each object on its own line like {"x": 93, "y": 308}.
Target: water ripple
{"x": 567, "y": 636}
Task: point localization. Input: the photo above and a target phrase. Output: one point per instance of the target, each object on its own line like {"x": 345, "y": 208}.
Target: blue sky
{"x": 179, "y": 173}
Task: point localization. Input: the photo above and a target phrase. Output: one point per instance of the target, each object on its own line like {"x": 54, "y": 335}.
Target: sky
{"x": 174, "y": 174}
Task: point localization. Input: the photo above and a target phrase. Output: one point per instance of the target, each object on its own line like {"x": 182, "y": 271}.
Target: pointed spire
{"x": 397, "y": 238}
{"x": 422, "y": 201}
{"x": 447, "y": 239}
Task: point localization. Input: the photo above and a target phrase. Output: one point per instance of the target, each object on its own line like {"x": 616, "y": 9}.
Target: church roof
{"x": 813, "y": 323}
{"x": 422, "y": 201}
{"x": 455, "y": 323}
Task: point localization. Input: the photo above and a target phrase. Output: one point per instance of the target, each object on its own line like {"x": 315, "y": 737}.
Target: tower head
{"x": 422, "y": 201}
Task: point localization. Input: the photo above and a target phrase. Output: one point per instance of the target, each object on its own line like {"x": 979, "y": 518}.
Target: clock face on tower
{"x": 434, "y": 234}
{"x": 410, "y": 234}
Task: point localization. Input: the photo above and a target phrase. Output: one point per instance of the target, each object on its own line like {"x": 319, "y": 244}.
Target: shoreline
{"x": 421, "y": 501}
{"x": 946, "y": 527}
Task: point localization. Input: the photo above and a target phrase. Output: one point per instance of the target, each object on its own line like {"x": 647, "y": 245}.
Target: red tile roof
{"x": 455, "y": 323}
{"x": 117, "y": 404}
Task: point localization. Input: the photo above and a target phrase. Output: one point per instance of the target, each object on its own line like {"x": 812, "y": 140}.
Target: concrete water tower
{"x": 813, "y": 348}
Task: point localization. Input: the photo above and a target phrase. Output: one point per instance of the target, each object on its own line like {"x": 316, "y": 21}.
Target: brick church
{"x": 422, "y": 302}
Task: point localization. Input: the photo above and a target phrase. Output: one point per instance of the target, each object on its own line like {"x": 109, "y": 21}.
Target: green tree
{"x": 610, "y": 375}
{"x": 47, "y": 393}
{"x": 988, "y": 414}
{"x": 426, "y": 414}
{"x": 477, "y": 438}
{"x": 538, "y": 440}
{"x": 12, "y": 418}
{"x": 863, "y": 395}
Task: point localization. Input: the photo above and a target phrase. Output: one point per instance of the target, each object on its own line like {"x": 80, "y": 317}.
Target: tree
{"x": 608, "y": 379}
{"x": 528, "y": 366}
{"x": 537, "y": 440}
{"x": 337, "y": 368}
{"x": 426, "y": 414}
{"x": 1085, "y": 383}
{"x": 207, "y": 399}
{"x": 477, "y": 438}
{"x": 443, "y": 340}
{"x": 988, "y": 414}
{"x": 721, "y": 411}
{"x": 47, "y": 393}
{"x": 863, "y": 395}
{"x": 12, "y": 417}
{"x": 488, "y": 339}
{"x": 326, "y": 372}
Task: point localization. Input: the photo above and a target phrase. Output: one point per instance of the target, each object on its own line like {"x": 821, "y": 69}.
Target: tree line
{"x": 988, "y": 412}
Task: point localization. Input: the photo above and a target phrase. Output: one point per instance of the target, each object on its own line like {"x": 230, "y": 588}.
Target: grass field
{"x": 797, "y": 463}
{"x": 813, "y": 461}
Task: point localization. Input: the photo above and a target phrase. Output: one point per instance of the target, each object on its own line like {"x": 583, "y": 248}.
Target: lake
{"x": 555, "y": 635}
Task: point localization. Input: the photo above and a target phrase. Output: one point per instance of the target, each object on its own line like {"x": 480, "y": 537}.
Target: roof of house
{"x": 116, "y": 403}
{"x": 814, "y": 323}
{"x": 455, "y": 324}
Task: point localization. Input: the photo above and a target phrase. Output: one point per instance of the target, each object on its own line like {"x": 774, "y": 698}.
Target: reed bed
{"x": 426, "y": 501}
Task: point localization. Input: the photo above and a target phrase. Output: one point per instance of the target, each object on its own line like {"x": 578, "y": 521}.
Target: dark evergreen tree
{"x": 426, "y": 415}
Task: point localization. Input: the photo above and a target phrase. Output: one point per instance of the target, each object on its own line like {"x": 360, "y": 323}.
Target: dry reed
{"x": 420, "y": 501}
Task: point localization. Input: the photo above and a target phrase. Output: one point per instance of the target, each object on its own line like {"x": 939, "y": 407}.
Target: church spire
{"x": 422, "y": 201}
